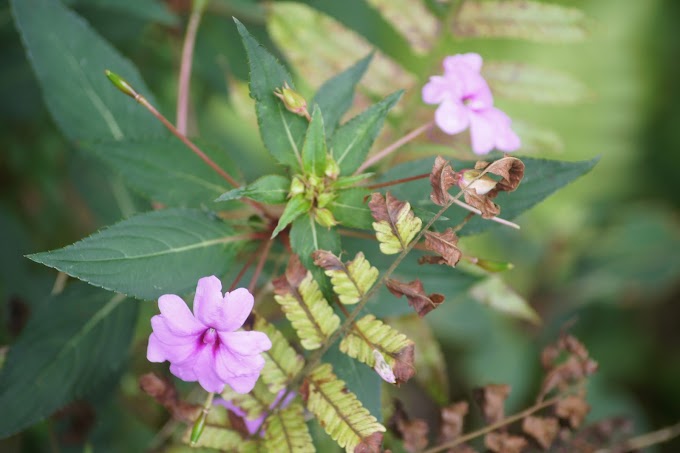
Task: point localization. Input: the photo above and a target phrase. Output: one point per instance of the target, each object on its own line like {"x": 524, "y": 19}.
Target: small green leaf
{"x": 151, "y": 254}
{"x": 533, "y": 83}
{"x": 165, "y": 170}
{"x": 297, "y": 206}
{"x": 70, "y": 345}
{"x": 281, "y": 362}
{"x": 351, "y": 280}
{"x": 285, "y": 431}
{"x": 345, "y": 182}
{"x": 350, "y": 208}
{"x": 281, "y": 130}
{"x": 336, "y": 94}
{"x": 314, "y": 147}
{"x": 70, "y": 64}
{"x": 269, "y": 189}
{"x": 352, "y": 141}
{"x": 495, "y": 293}
{"x": 520, "y": 19}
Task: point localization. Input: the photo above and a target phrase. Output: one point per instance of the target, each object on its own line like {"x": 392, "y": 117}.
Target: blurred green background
{"x": 603, "y": 254}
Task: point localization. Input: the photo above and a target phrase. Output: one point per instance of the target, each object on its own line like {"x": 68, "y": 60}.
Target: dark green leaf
{"x": 70, "y": 345}
{"x": 270, "y": 189}
{"x": 153, "y": 10}
{"x": 70, "y": 64}
{"x": 350, "y": 208}
{"x": 352, "y": 141}
{"x": 307, "y": 236}
{"x": 335, "y": 96}
{"x": 297, "y": 206}
{"x": 151, "y": 254}
{"x": 314, "y": 147}
{"x": 281, "y": 130}
{"x": 165, "y": 170}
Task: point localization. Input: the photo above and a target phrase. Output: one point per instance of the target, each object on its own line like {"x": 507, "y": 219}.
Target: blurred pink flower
{"x": 254, "y": 425}
{"x": 465, "y": 100}
{"x": 204, "y": 346}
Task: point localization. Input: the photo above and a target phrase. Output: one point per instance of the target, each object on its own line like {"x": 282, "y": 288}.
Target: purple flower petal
{"x": 178, "y": 317}
{"x": 243, "y": 384}
{"x": 451, "y": 117}
{"x": 246, "y": 343}
{"x": 482, "y": 132}
{"x": 236, "y": 307}
{"x": 251, "y": 425}
{"x": 506, "y": 139}
{"x": 438, "y": 89}
{"x": 208, "y": 301}
{"x": 472, "y": 61}
{"x": 185, "y": 371}
{"x": 172, "y": 347}
{"x": 229, "y": 364}
{"x": 205, "y": 371}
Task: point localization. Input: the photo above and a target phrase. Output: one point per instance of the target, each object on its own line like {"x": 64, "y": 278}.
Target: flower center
{"x": 210, "y": 336}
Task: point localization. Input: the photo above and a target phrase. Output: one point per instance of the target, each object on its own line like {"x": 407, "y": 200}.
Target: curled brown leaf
{"x": 415, "y": 293}
{"x": 491, "y": 398}
{"x": 499, "y": 442}
{"x": 567, "y": 362}
{"x": 453, "y": 419}
{"x": 510, "y": 169}
{"x": 403, "y": 364}
{"x": 412, "y": 431}
{"x": 370, "y": 444}
{"x": 542, "y": 429}
{"x": 327, "y": 261}
{"x": 572, "y": 408}
{"x": 163, "y": 391}
{"x": 444, "y": 244}
{"x": 295, "y": 273}
{"x": 442, "y": 179}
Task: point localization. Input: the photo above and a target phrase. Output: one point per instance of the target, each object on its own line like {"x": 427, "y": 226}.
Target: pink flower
{"x": 204, "y": 346}
{"x": 465, "y": 100}
{"x": 254, "y": 425}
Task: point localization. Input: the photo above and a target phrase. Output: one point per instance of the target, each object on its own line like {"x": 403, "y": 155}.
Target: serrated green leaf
{"x": 314, "y": 147}
{"x": 151, "y": 254}
{"x": 352, "y": 141}
{"x": 525, "y": 82}
{"x": 286, "y": 431}
{"x": 495, "y": 293}
{"x": 165, "y": 170}
{"x": 152, "y": 10}
{"x": 221, "y": 438}
{"x": 350, "y": 209}
{"x": 281, "y": 130}
{"x": 340, "y": 412}
{"x": 281, "y": 362}
{"x": 335, "y": 96}
{"x": 70, "y": 68}
{"x": 269, "y": 189}
{"x": 297, "y": 206}
{"x": 350, "y": 280}
{"x": 305, "y": 307}
{"x": 396, "y": 225}
{"x": 520, "y": 19}
{"x": 345, "y": 182}
{"x": 395, "y": 347}
{"x": 71, "y": 344}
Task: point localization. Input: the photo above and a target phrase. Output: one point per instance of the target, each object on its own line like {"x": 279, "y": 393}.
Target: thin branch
{"x": 645, "y": 440}
{"x": 464, "y": 205}
{"x": 393, "y": 147}
{"x": 397, "y": 181}
{"x": 264, "y": 253}
{"x": 185, "y": 65}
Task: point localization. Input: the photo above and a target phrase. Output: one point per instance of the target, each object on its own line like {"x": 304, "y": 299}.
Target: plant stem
{"x": 489, "y": 428}
{"x": 464, "y": 205}
{"x": 393, "y": 147}
{"x": 397, "y": 181}
{"x": 264, "y": 253}
{"x": 185, "y": 65}
{"x": 645, "y": 440}
{"x": 243, "y": 270}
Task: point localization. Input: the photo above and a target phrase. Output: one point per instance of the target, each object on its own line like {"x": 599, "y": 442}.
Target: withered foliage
{"x": 290, "y": 281}
{"x": 403, "y": 367}
{"x": 542, "y": 429}
{"x": 452, "y": 426}
{"x": 567, "y": 362}
{"x": 491, "y": 399}
{"x": 164, "y": 392}
{"x": 445, "y": 245}
{"x": 442, "y": 179}
{"x": 413, "y": 432}
{"x": 415, "y": 293}
{"x": 371, "y": 444}
{"x": 500, "y": 442}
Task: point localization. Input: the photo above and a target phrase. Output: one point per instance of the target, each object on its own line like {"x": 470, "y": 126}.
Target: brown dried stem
{"x": 393, "y": 147}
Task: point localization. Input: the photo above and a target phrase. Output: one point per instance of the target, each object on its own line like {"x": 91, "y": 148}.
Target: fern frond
{"x": 219, "y": 434}
{"x": 254, "y": 403}
{"x": 307, "y": 310}
{"x": 281, "y": 362}
{"x": 395, "y": 225}
{"x": 339, "y": 411}
{"x": 350, "y": 280}
{"x": 394, "y": 346}
{"x": 286, "y": 431}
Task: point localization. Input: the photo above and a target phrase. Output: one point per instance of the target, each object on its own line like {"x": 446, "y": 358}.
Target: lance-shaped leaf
{"x": 442, "y": 178}
{"x": 281, "y": 362}
{"x": 352, "y": 140}
{"x": 445, "y": 244}
{"x": 314, "y": 147}
{"x": 281, "y": 130}
{"x": 372, "y": 334}
{"x": 495, "y": 293}
{"x": 269, "y": 189}
{"x": 253, "y": 403}
{"x": 414, "y": 292}
{"x": 395, "y": 224}
{"x": 286, "y": 431}
{"x": 305, "y": 307}
{"x": 521, "y": 19}
{"x": 350, "y": 280}
{"x": 336, "y": 94}
{"x": 297, "y": 206}
{"x": 340, "y": 412}
{"x": 151, "y": 254}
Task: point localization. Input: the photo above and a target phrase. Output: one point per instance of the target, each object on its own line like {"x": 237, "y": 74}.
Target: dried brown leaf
{"x": 453, "y": 420}
{"x": 567, "y": 362}
{"x": 445, "y": 245}
{"x": 403, "y": 368}
{"x": 295, "y": 273}
{"x": 510, "y": 169}
{"x": 572, "y": 408}
{"x": 491, "y": 398}
{"x": 442, "y": 179}
{"x": 164, "y": 392}
{"x": 396, "y": 225}
{"x": 499, "y": 442}
{"x": 412, "y": 431}
{"x": 371, "y": 444}
{"x": 327, "y": 261}
{"x": 542, "y": 429}
{"x": 483, "y": 203}
{"x": 415, "y": 293}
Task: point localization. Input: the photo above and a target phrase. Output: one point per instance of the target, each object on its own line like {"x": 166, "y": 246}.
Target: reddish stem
{"x": 185, "y": 66}
{"x": 393, "y": 147}
{"x": 260, "y": 264}
{"x": 397, "y": 181}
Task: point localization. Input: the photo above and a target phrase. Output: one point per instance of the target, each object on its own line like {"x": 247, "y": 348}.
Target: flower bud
{"x": 325, "y": 198}
{"x": 481, "y": 186}
{"x": 324, "y": 217}
{"x": 332, "y": 169}
{"x": 494, "y": 266}
{"x": 292, "y": 100}
{"x": 120, "y": 83}
{"x": 297, "y": 187}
